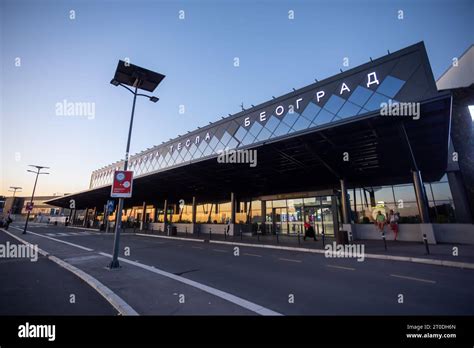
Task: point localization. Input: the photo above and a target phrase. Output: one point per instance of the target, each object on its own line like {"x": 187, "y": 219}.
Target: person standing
{"x": 393, "y": 219}
{"x": 380, "y": 221}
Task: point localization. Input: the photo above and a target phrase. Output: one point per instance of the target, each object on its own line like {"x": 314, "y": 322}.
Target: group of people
{"x": 6, "y": 220}
{"x": 392, "y": 219}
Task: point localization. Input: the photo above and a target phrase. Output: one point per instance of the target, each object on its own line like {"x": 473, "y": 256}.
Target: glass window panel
{"x": 311, "y": 111}
{"x": 272, "y": 123}
{"x": 207, "y": 151}
{"x": 232, "y": 144}
{"x": 362, "y": 111}
{"x": 255, "y": 129}
{"x": 360, "y": 96}
{"x": 281, "y": 203}
{"x": 290, "y": 118}
{"x": 334, "y": 104}
{"x": 240, "y": 134}
{"x": 281, "y": 129}
{"x": 249, "y": 138}
{"x": 383, "y": 194}
{"x": 264, "y": 135}
{"x": 375, "y": 101}
{"x": 348, "y": 109}
{"x": 406, "y": 193}
{"x": 441, "y": 191}
{"x": 213, "y": 143}
{"x": 301, "y": 123}
{"x": 225, "y": 138}
{"x": 323, "y": 117}
{"x": 390, "y": 86}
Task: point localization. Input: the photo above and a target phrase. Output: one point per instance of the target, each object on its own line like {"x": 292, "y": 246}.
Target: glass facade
{"x": 233, "y": 135}
{"x": 402, "y": 199}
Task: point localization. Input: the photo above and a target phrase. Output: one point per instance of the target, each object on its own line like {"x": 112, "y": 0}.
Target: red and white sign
{"x": 122, "y": 184}
{"x": 29, "y": 206}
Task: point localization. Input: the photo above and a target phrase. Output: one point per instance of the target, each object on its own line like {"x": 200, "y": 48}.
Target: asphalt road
{"x": 287, "y": 282}
{"x": 44, "y": 288}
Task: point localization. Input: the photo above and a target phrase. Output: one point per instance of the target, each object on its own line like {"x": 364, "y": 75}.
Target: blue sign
{"x": 110, "y": 206}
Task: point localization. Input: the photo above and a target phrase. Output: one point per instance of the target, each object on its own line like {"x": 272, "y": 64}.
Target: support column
{"x": 86, "y": 215}
{"x": 461, "y": 203}
{"x": 165, "y": 212}
{"x": 263, "y": 214}
{"x": 346, "y": 219}
{"x": 421, "y": 200}
{"x": 372, "y": 198}
{"x": 143, "y": 222}
{"x": 193, "y": 215}
{"x": 232, "y": 208}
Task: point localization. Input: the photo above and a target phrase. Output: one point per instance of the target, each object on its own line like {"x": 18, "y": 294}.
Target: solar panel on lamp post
{"x": 134, "y": 76}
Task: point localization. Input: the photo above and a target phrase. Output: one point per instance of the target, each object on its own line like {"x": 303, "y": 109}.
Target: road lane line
{"x": 116, "y": 301}
{"x": 219, "y": 250}
{"x": 289, "y": 260}
{"x": 341, "y": 267}
{"x": 213, "y": 291}
{"x": 196, "y": 247}
{"x": 413, "y": 278}
{"x": 56, "y": 240}
{"x": 168, "y": 237}
{"x": 254, "y": 255}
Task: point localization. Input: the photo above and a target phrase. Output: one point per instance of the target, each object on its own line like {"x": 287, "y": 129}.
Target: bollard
{"x": 225, "y": 233}
{"x": 278, "y": 242}
{"x": 299, "y": 241}
{"x": 426, "y": 244}
{"x": 350, "y": 237}
{"x": 384, "y": 241}
{"x": 322, "y": 234}
{"x": 186, "y": 231}
{"x": 241, "y": 235}
{"x": 258, "y": 236}
{"x": 198, "y": 230}
{"x": 210, "y": 233}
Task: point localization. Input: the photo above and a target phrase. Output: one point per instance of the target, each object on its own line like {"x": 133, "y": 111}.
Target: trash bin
{"x": 342, "y": 237}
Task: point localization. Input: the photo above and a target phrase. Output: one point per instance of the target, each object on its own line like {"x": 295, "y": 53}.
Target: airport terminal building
{"x": 379, "y": 136}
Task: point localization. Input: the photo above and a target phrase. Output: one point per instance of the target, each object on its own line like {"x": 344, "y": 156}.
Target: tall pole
{"x": 118, "y": 221}
{"x": 38, "y": 172}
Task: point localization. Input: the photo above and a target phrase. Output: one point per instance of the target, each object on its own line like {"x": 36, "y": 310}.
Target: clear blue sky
{"x": 74, "y": 60}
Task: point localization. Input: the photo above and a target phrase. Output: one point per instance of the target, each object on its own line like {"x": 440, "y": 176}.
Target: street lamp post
{"x": 37, "y": 172}
{"x": 128, "y": 74}
{"x": 14, "y": 189}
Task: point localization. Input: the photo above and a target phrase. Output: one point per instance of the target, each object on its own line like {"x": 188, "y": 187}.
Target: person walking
{"x": 393, "y": 219}
{"x": 309, "y": 232}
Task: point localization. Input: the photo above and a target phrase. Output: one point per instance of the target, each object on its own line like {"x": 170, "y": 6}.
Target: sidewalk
{"x": 394, "y": 248}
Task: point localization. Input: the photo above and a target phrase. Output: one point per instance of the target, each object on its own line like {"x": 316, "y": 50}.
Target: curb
{"x": 436, "y": 262}
{"x": 168, "y": 237}
{"x": 117, "y": 302}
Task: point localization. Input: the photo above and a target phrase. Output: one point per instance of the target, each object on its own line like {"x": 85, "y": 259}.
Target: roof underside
{"x": 377, "y": 150}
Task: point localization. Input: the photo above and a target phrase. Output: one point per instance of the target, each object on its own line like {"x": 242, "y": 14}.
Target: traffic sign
{"x": 29, "y": 206}
{"x": 122, "y": 184}
{"x": 110, "y": 206}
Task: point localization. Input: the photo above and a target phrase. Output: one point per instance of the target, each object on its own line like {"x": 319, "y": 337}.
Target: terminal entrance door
{"x": 321, "y": 215}
{"x": 280, "y": 220}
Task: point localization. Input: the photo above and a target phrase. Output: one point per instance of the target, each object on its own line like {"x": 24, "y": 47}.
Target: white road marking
{"x": 254, "y": 255}
{"x": 341, "y": 267}
{"x": 56, "y": 240}
{"x": 413, "y": 278}
{"x": 213, "y": 291}
{"x": 219, "y": 250}
{"x": 289, "y": 260}
{"x": 196, "y": 247}
{"x": 116, "y": 301}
